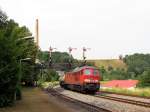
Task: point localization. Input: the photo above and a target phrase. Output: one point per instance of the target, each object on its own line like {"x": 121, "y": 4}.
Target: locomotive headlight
{"x": 96, "y": 81}
{"x": 87, "y": 80}
{"x": 91, "y": 81}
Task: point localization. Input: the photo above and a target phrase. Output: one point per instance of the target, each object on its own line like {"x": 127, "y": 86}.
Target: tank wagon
{"x": 83, "y": 79}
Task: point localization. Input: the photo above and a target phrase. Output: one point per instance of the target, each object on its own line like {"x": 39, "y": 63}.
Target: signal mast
{"x": 70, "y": 50}
{"x": 84, "y": 58}
{"x": 50, "y": 55}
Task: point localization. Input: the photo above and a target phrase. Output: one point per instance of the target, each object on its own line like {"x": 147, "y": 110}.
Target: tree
{"x": 137, "y": 63}
{"x": 145, "y": 78}
{"x": 57, "y": 57}
{"x": 3, "y": 19}
{"x": 110, "y": 68}
{"x": 114, "y": 74}
{"x": 43, "y": 56}
{"x": 50, "y": 75}
{"x": 12, "y": 49}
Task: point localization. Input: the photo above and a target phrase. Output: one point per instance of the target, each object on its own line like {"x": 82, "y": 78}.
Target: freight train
{"x": 84, "y": 79}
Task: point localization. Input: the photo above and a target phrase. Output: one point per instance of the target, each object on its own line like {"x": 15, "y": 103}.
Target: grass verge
{"x": 143, "y": 92}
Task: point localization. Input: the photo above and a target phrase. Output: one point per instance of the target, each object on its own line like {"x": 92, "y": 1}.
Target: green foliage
{"x": 102, "y": 73}
{"x": 113, "y": 74}
{"x": 50, "y": 75}
{"x": 60, "y": 60}
{"x": 12, "y": 49}
{"x": 137, "y": 63}
{"x": 110, "y": 68}
{"x": 145, "y": 79}
{"x": 102, "y": 70}
{"x": 144, "y": 92}
{"x": 43, "y": 56}
{"x": 57, "y": 57}
{"x": 8, "y": 67}
{"x": 138, "y": 68}
{"x": 3, "y": 19}
{"x": 115, "y": 63}
{"x": 90, "y": 64}
{"x": 29, "y": 73}
{"x": 119, "y": 74}
{"x": 46, "y": 85}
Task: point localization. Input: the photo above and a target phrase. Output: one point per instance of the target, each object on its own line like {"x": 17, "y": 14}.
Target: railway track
{"x": 87, "y": 106}
{"x": 129, "y": 101}
{"x": 122, "y": 94}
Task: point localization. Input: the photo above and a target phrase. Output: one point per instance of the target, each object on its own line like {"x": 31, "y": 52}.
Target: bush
{"x": 50, "y": 75}
{"x": 48, "y": 84}
{"x": 110, "y": 68}
{"x": 102, "y": 70}
{"x": 12, "y": 50}
{"x": 145, "y": 79}
{"x": 114, "y": 74}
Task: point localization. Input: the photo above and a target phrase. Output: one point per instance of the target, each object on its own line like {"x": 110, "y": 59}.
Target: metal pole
{"x": 84, "y": 58}
{"x": 84, "y": 49}
{"x": 70, "y": 50}
{"x": 20, "y": 70}
{"x": 50, "y": 55}
{"x": 18, "y": 94}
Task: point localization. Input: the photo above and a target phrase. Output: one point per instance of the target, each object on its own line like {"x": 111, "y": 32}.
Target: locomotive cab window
{"x": 95, "y": 72}
{"x": 87, "y": 72}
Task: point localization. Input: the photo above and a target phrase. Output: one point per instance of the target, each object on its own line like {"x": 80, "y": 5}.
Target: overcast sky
{"x": 108, "y": 27}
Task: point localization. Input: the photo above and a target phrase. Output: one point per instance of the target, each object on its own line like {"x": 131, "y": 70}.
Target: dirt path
{"x": 35, "y": 100}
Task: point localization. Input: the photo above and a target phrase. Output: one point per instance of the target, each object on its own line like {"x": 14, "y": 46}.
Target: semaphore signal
{"x": 70, "y": 50}
{"x": 84, "y": 58}
{"x": 50, "y": 55}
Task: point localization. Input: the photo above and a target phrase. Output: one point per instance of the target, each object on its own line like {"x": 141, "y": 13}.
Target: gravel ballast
{"x": 103, "y": 103}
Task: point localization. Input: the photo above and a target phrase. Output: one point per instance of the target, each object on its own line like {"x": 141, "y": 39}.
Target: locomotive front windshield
{"x": 96, "y": 72}
{"x": 91, "y": 72}
{"x": 87, "y": 72}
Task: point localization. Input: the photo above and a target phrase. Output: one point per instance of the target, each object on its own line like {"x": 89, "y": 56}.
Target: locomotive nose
{"x": 90, "y": 80}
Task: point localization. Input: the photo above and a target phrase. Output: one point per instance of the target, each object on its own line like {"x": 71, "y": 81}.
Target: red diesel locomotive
{"x": 84, "y": 79}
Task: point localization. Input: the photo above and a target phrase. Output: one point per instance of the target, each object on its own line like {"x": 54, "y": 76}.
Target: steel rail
{"x": 129, "y": 101}
{"x": 123, "y": 94}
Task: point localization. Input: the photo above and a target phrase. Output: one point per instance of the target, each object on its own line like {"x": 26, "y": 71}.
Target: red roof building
{"x": 128, "y": 84}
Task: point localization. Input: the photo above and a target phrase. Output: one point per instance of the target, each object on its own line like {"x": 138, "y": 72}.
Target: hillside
{"x": 115, "y": 63}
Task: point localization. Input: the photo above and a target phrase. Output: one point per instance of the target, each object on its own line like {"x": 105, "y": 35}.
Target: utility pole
{"x": 50, "y": 55}
{"x": 84, "y": 58}
{"x": 70, "y": 50}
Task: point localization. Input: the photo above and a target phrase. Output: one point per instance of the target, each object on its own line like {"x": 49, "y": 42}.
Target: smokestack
{"x": 37, "y": 32}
